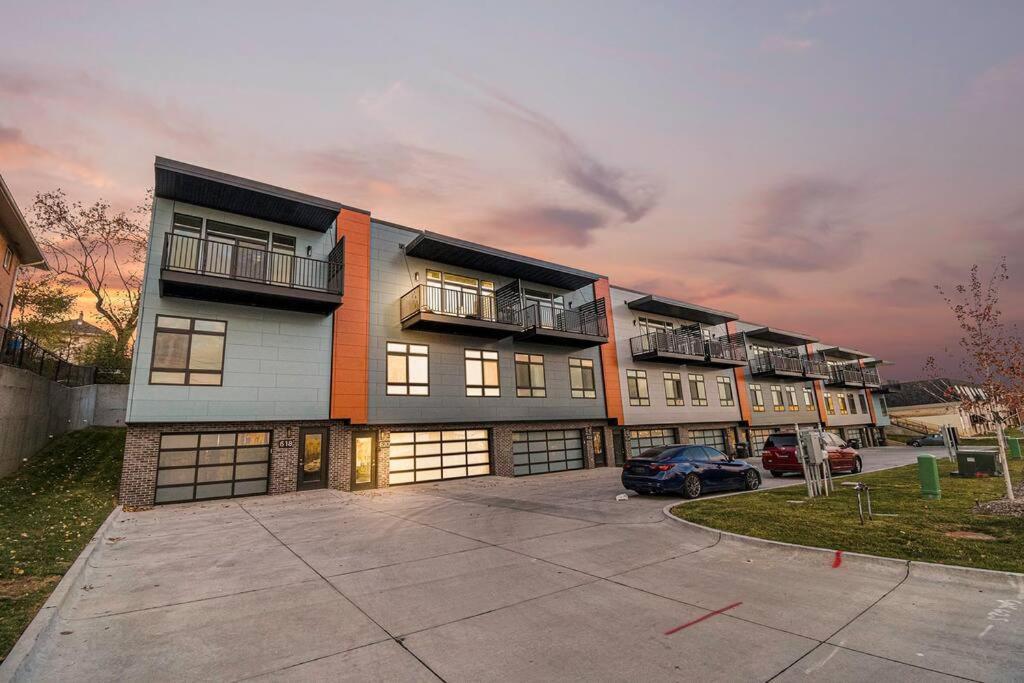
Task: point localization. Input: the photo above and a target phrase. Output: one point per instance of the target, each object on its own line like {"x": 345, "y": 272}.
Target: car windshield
{"x": 780, "y": 441}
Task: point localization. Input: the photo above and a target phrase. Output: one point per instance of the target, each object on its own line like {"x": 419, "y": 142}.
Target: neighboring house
{"x": 937, "y": 402}
{"x": 75, "y": 335}
{"x": 17, "y": 248}
{"x": 289, "y": 342}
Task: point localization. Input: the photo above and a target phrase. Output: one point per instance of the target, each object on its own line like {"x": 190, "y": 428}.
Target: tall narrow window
{"x": 778, "y": 401}
{"x": 794, "y": 404}
{"x": 188, "y": 351}
{"x": 830, "y": 407}
{"x": 842, "y": 404}
{"x": 482, "y": 373}
{"x": 408, "y": 369}
{"x": 581, "y": 378}
{"x": 636, "y": 382}
{"x": 863, "y": 403}
{"x": 883, "y": 405}
{"x": 756, "y": 398}
{"x": 530, "y": 376}
{"x": 698, "y": 392}
{"x": 725, "y": 394}
{"x": 852, "y": 404}
{"x": 808, "y": 399}
{"x": 8, "y": 259}
{"x": 674, "y": 389}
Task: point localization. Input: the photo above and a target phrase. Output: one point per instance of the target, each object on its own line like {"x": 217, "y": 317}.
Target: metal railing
{"x": 20, "y": 351}
{"x": 589, "y": 318}
{"x": 845, "y": 374}
{"x": 766, "y": 363}
{"x": 688, "y": 341}
{"x": 458, "y": 303}
{"x": 732, "y": 347}
{"x": 235, "y": 262}
{"x": 815, "y": 366}
{"x": 871, "y": 377}
{"x": 913, "y": 425}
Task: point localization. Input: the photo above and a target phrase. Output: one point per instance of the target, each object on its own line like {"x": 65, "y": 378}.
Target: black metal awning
{"x": 778, "y": 336}
{"x": 456, "y": 252}
{"x": 844, "y": 353}
{"x": 215, "y": 190}
{"x": 671, "y": 308}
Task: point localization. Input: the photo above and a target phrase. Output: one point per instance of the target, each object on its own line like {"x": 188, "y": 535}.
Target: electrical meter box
{"x": 812, "y": 447}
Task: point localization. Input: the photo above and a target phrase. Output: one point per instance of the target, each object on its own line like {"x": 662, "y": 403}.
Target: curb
{"x": 925, "y": 570}
{"x": 48, "y": 613}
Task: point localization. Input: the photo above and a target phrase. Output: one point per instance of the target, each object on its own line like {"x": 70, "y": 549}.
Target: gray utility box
{"x": 974, "y": 462}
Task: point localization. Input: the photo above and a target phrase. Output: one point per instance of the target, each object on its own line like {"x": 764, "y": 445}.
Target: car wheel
{"x": 857, "y": 466}
{"x": 914, "y": 444}
{"x": 692, "y": 486}
{"x": 752, "y": 480}
{"x": 777, "y": 474}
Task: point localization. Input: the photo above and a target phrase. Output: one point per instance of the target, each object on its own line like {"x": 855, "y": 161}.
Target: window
{"x": 212, "y": 465}
{"x": 459, "y": 295}
{"x": 698, "y": 392}
{"x": 830, "y": 407}
{"x": 725, "y": 395}
{"x": 530, "y": 376}
{"x": 581, "y": 378}
{"x": 408, "y": 369}
{"x": 794, "y": 404}
{"x": 756, "y": 398}
{"x": 8, "y": 259}
{"x": 863, "y": 403}
{"x": 843, "y": 410}
{"x": 852, "y": 404}
{"x": 674, "y": 389}
{"x": 882, "y": 405}
{"x": 482, "y": 373}
{"x": 648, "y": 325}
{"x": 808, "y": 399}
{"x": 777, "y": 399}
{"x": 636, "y": 381}
{"x": 188, "y": 351}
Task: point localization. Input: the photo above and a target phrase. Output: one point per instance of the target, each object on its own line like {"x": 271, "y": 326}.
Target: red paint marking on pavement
{"x": 700, "y": 619}
{"x": 838, "y": 559}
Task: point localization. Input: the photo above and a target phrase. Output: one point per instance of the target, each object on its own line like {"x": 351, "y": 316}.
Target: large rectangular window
{"x": 808, "y": 399}
{"x": 852, "y": 404}
{"x": 530, "y": 376}
{"x": 408, "y": 369}
{"x": 212, "y": 465}
{"x": 581, "y": 378}
{"x": 757, "y": 398}
{"x": 830, "y": 407}
{"x": 863, "y": 403}
{"x": 698, "y": 392}
{"x": 725, "y": 393}
{"x": 794, "y": 404}
{"x": 188, "y": 351}
{"x": 636, "y": 382}
{"x": 482, "y": 373}
{"x": 843, "y": 410}
{"x": 674, "y": 389}
{"x": 778, "y": 402}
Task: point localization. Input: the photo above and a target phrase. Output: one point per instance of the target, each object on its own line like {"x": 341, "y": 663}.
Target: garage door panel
{"x": 202, "y": 466}
{"x": 709, "y": 437}
{"x": 543, "y": 451}
{"x": 431, "y": 456}
{"x": 642, "y": 439}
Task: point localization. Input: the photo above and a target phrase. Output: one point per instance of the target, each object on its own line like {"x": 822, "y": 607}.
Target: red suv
{"x": 779, "y": 454}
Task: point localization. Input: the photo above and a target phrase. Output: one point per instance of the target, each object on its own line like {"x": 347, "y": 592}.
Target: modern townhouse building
{"x": 848, "y": 407}
{"x": 17, "y": 248}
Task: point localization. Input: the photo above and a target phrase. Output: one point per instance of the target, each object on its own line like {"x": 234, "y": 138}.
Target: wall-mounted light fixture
{"x": 309, "y": 250}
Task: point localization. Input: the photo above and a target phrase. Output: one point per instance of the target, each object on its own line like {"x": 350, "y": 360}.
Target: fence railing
{"x": 235, "y": 262}
{"x": 686, "y": 341}
{"x": 732, "y": 347}
{"x": 20, "y": 351}
{"x": 871, "y": 377}
{"x": 458, "y": 303}
{"x": 815, "y": 366}
{"x": 589, "y": 318}
{"x": 845, "y": 374}
{"x": 766, "y": 363}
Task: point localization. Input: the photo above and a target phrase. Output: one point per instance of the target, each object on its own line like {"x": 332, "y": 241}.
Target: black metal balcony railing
{"x": 589, "y": 318}
{"x": 232, "y": 261}
{"x": 764, "y": 363}
{"x": 731, "y": 347}
{"x": 23, "y": 352}
{"x": 871, "y": 377}
{"x": 690, "y": 341}
{"x": 845, "y": 375}
{"x": 458, "y": 303}
{"x": 815, "y": 366}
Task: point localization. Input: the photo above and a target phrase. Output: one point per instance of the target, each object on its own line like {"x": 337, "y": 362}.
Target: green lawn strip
{"x": 918, "y": 532}
{"x": 50, "y": 509}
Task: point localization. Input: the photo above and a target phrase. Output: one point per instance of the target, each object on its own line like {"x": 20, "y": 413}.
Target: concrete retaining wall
{"x": 34, "y": 409}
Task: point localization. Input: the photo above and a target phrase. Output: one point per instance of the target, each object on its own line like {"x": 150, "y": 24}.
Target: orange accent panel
{"x": 610, "y": 359}
{"x": 350, "y": 357}
{"x": 742, "y": 395}
{"x": 819, "y": 395}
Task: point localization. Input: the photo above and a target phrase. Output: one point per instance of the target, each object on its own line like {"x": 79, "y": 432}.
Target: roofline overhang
{"x": 29, "y": 253}
{"x": 774, "y": 334}
{"x": 672, "y": 308}
{"x": 432, "y": 246}
{"x": 192, "y": 184}
{"x": 843, "y": 352}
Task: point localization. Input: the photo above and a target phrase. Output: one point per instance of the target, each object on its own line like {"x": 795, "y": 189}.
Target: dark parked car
{"x": 687, "y": 469}
{"x": 779, "y": 454}
{"x": 930, "y": 440}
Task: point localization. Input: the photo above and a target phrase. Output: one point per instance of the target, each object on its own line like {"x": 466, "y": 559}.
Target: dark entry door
{"x": 313, "y": 458}
{"x": 364, "y": 460}
{"x": 600, "y": 459}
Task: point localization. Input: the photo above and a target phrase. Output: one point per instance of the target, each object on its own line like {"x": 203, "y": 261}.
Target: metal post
{"x": 860, "y": 508}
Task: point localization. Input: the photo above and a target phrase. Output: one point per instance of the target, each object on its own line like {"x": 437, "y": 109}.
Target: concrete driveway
{"x": 542, "y": 578}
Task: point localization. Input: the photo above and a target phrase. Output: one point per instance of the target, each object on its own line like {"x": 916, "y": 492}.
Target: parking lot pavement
{"x": 540, "y": 578}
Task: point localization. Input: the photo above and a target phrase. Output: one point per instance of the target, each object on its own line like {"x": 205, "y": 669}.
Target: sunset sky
{"x": 818, "y": 166}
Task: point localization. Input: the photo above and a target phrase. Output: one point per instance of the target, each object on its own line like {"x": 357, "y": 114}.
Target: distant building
{"x": 17, "y": 248}
{"x": 75, "y": 336}
{"x": 937, "y": 402}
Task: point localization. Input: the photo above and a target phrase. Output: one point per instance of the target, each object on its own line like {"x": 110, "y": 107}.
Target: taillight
{"x": 625, "y": 465}
{"x": 662, "y": 468}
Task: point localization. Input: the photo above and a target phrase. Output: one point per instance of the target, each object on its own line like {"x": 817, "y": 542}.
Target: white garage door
{"x": 212, "y": 465}
{"x": 429, "y": 456}
{"x": 709, "y": 437}
{"x": 547, "y": 451}
{"x": 642, "y": 439}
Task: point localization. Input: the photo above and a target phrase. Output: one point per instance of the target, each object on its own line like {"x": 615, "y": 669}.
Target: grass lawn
{"x": 918, "y": 532}
{"x": 50, "y": 509}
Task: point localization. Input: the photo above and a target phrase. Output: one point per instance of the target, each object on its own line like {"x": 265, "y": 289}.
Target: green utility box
{"x": 978, "y": 462}
{"x": 1013, "y": 448}
{"x": 928, "y": 475}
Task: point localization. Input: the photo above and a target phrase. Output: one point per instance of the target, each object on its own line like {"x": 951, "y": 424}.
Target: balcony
{"x": 687, "y": 346}
{"x": 777, "y": 365}
{"x": 437, "y": 309}
{"x": 194, "y": 268}
{"x": 871, "y": 378}
{"x": 580, "y": 327}
{"x": 815, "y": 367}
{"x": 845, "y": 376}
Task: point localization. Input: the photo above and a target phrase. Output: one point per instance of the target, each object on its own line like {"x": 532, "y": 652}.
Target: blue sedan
{"x": 687, "y": 469}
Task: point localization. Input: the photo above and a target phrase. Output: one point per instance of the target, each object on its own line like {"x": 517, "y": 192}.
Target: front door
{"x": 600, "y": 459}
{"x": 312, "y": 458}
{"x": 364, "y": 461}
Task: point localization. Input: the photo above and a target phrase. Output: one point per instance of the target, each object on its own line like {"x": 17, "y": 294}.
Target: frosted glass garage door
{"x": 642, "y": 439}
{"x": 757, "y": 439}
{"x": 547, "y": 451}
{"x": 709, "y": 437}
{"x": 430, "y": 456}
{"x": 212, "y": 465}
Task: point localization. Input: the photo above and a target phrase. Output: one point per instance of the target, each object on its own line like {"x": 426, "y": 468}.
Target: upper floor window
{"x": 482, "y": 373}
{"x": 636, "y": 382}
{"x": 852, "y": 404}
{"x": 581, "y": 378}
{"x": 883, "y": 406}
{"x": 648, "y": 325}
{"x": 530, "y": 376}
{"x": 459, "y": 295}
{"x": 698, "y": 392}
{"x": 794, "y": 404}
{"x": 757, "y": 398}
{"x": 808, "y": 399}
{"x": 863, "y": 403}
{"x": 843, "y": 410}
{"x": 188, "y": 351}
{"x": 8, "y": 259}
{"x": 830, "y": 407}
{"x": 674, "y": 389}
{"x": 725, "y": 394}
{"x": 408, "y": 369}
{"x": 777, "y": 399}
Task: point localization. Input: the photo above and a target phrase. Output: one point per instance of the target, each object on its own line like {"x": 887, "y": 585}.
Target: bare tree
{"x": 99, "y": 248}
{"x": 991, "y": 354}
